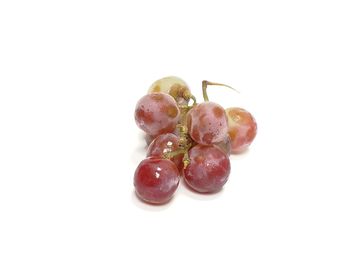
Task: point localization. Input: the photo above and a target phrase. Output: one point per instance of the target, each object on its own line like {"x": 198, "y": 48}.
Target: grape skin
{"x": 207, "y": 123}
{"x": 166, "y": 143}
{"x": 156, "y": 180}
{"x": 165, "y": 84}
{"x": 208, "y": 170}
{"x": 173, "y": 86}
{"x": 242, "y": 129}
{"x": 157, "y": 113}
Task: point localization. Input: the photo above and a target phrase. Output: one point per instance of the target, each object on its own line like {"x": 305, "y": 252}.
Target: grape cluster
{"x": 193, "y": 140}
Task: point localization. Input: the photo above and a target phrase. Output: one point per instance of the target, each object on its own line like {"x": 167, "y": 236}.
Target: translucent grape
{"x": 166, "y": 143}
{"x": 173, "y": 86}
{"x": 157, "y": 113}
{"x": 207, "y": 123}
{"x": 242, "y": 129}
{"x": 165, "y": 84}
{"x": 156, "y": 180}
{"x": 208, "y": 170}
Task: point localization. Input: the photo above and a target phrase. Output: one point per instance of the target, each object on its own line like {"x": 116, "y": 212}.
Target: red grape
{"x": 242, "y": 129}
{"x": 208, "y": 170}
{"x": 207, "y": 123}
{"x": 156, "y": 180}
{"x": 166, "y": 143}
{"x": 157, "y": 113}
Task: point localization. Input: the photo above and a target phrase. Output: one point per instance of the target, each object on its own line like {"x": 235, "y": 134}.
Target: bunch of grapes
{"x": 188, "y": 139}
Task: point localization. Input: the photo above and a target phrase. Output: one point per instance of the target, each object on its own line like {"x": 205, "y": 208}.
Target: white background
{"x": 70, "y": 75}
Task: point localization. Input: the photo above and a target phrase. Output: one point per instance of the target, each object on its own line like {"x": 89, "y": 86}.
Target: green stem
{"x": 185, "y": 141}
{"x": 194, "y": 100}
{"x": 205, "y": 85}
{"x": 186, "y": 160}
{"x": 170, "y": 155}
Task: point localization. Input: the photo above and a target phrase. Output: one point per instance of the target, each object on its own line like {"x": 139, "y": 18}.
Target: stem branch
{"x": 205, "y": 85}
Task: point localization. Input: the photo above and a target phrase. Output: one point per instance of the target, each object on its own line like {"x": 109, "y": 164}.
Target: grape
{"x": 157, "y": 113}
{"x": 207, "y": 123}
{"x": 208, "y": 170}
{"x": 156, "y": 180}
{"x": 166, "y": 143}
{"x": 173, "y": 86}
{"x": 165, "y": 84}
{"x": 242, "y": 129}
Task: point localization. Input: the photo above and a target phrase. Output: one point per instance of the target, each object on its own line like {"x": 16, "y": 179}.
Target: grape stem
{"x": 194, "y": 100}
{"x": 187, "y": 95}
{"x": 170, "y": 155}
{"x": 184, "y": 151}
{"x": 205, "y": 85}
{"x": 186, "y": 160}
{"x": 185, "y": 142}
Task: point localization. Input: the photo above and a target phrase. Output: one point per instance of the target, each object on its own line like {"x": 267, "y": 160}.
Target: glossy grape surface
{"x": 166, "y": 143}
{"x": 156, "y": 180}
{"x": 208, "y": 170}
{"x": 207, "y": 123}
{"x": 242, "y": 129}
{"x": 157, "y": 113}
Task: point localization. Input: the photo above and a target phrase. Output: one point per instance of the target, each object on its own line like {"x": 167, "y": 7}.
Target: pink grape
{"x": 242, "y": 129}
{"x": 208, "y": 170}
{"x": 156, "y": 180}
{"x": 207, "y": 123}
{"x": 166, "y": 143}
{"x": 157, "y": 113}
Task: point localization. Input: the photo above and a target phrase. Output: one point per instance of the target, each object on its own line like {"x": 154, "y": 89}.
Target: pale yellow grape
{"x": 165, "y": 84}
